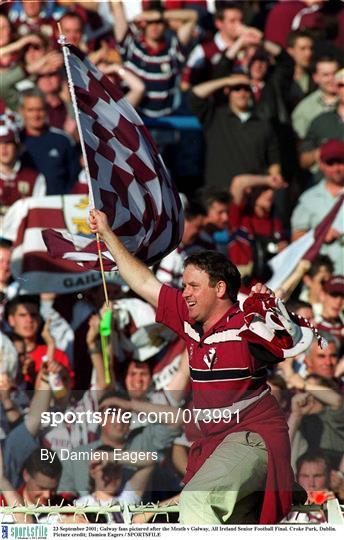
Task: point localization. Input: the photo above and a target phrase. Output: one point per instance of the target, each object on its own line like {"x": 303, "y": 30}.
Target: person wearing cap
{"x": 237, "y": 141}
{"x": 326, "y": 126}
{"x": 316, "y": 202}
{"x": 332, "y": 299}
{"x": 17, "y": 179}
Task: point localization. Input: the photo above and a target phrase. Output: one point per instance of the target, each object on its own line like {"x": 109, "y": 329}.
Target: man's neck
{"x": 217, "y": 314}
{"x": 340, "y": 110}
{"x": 30, "y": 344}
{"x": 238, "y": 112}
{"x": 259, "y": 211}
{"x": 313, "y": 297}
{"x": 26, "y": 496}
{"x": 35, "y": 132}
{"x": 330, "y": 318}
{"x": 329, "y": 99}
{"x": 53, "y": 100}
{"x": 299, "y": 72}
{"x": 100, "y": 495}
{"x": 333, "y": 188}
{"x": 108, "y": 441}
{"x": 6, "y": 168}
{"x": 154, "y": 43}
{"x": 228, "y": 41}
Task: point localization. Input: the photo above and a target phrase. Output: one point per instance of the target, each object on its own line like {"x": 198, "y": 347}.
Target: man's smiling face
{"x": 199, "y": 296}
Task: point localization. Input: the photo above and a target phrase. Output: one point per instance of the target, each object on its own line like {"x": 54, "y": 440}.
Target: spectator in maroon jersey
{"x": 17, "y": 180}
{"x": 33, "y": 18}
{"x": 232, "y": 38}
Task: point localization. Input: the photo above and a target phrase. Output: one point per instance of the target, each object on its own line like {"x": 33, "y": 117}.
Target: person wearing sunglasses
{"x": 237, "y": 141}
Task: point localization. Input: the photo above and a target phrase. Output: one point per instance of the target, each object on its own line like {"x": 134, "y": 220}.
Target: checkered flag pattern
{"x": 129, "y": 180}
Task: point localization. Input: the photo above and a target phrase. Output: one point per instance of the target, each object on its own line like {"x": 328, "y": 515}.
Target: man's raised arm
{"x": 135, "y": 273}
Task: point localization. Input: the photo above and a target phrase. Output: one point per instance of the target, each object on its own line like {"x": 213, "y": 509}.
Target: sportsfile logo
{"x": 23, "y": 532}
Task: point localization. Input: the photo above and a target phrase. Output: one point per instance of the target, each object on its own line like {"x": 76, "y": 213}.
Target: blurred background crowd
{"x": 246, "y": 103}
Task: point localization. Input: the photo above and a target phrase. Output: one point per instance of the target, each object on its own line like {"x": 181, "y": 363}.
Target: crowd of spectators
{"x": 266, "y": 164}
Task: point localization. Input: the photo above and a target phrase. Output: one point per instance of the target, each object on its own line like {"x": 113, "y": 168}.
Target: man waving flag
{"x": 129, "y": 181}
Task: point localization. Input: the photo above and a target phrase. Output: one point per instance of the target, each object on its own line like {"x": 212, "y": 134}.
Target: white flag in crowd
{"x": 304, "y": 248}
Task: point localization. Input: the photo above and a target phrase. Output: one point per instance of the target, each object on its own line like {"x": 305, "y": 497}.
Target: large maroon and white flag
{"x": 31, "y": 264}
{"x": 305, "y": 248}
{"x": 129, "y": 180}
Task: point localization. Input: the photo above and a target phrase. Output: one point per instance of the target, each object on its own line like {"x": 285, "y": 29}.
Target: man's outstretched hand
{"x": 262, "y": 289}
{"x": 99, "y": 223}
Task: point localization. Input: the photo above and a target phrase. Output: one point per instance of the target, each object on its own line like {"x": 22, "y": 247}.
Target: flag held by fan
{"x": 127, "y": 176}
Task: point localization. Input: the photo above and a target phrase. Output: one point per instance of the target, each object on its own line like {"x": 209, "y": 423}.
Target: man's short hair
{"x": 295, "y": 305}
{"x": 34, "y": 464}
{"x": 310, "y": 457}
{"x": 73, "y": 15}
{"x": 208, "y": 197}
{"x": 298, "y": 34}
{"x": 193, "y": 210}
{"x": 31, "y": 93}
{"x": 21, "y": 299}
{"x": 321, "y": 59}
{"x": 5, "y": 244}
{"x": 319, "y": 261}
{"x": 138, "y": 364}
{"x": 113, "y": 393}
{"x": 222, "y": 5}
{"x": 218, "y": 268}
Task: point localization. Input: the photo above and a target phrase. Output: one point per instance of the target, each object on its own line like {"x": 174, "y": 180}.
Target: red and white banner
{"x": 32, "y": 265}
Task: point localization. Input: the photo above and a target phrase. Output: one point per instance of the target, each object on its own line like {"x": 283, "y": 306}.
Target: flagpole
{"x": 290, "y": 284}
{"x": 65, "y": 51}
